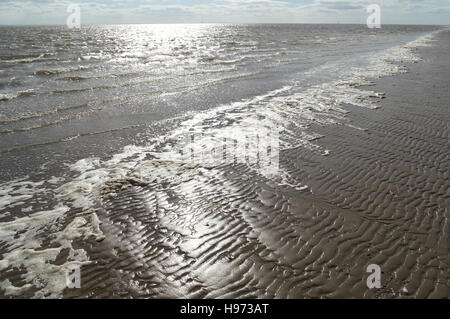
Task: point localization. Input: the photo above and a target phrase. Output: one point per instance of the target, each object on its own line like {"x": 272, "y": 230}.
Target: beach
{"x": 233, "y": 182}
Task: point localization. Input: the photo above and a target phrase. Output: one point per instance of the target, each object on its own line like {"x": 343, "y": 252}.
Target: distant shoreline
{"x": 218, "y": 23}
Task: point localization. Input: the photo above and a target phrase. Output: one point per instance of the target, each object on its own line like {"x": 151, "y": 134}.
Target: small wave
{"x": 20, "y": 58}
{"x": 208, "y": 59}
{"x": 12, "y": 95}
{"x": 227, "y": 62}
{"x": 28, "y": 116}
{"x": 54, "y": 122}
{"x": 89, "y": 57}
{"x": 72, "y": 78}
{"x": 46, "y": 72}
{"x": 72, "y": 91}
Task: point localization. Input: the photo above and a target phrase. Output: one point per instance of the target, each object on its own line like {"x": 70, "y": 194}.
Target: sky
{"x": 45, "y": 12}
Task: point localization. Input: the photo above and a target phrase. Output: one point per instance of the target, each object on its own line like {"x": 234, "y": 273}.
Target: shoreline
{"x": 378, "y": 196}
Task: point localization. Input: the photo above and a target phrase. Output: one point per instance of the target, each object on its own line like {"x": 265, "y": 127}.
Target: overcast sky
{"x": 225, "y": 11}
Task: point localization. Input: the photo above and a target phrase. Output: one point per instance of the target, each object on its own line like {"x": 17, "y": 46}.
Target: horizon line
{"x": 230, "y": 23}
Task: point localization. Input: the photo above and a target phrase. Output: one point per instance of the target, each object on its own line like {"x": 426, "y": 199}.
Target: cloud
{"x": 340, "y": 5}
{"x": 233, "y": 11}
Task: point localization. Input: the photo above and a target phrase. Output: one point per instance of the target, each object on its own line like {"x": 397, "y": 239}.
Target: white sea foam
{"x": 17, "y": 192}
{"x": 386, "y": 63}
{"x": 24, "y": 238}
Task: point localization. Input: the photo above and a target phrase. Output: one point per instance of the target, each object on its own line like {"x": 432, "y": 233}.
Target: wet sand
{"x": 386, "y": 191}
{"x": 381, "y": 196}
